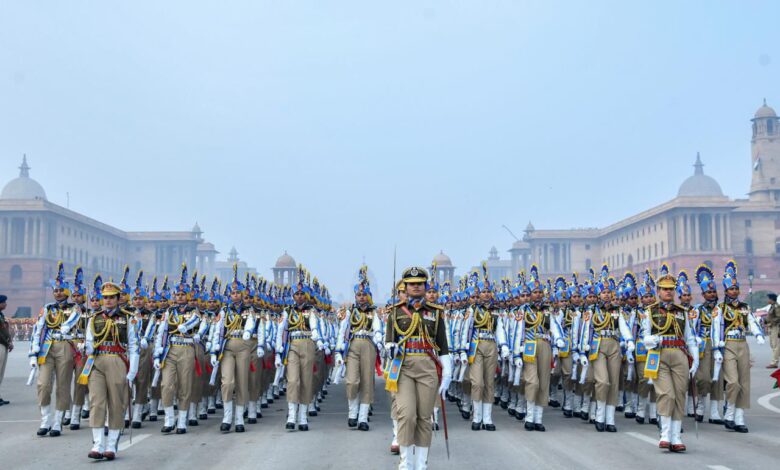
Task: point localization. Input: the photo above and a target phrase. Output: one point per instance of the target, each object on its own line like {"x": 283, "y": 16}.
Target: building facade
{"x": 700, "y": 224}
{"x": 35, "y": 234}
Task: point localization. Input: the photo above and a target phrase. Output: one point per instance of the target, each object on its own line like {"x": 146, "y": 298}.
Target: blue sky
{"x": 338, "y": 131}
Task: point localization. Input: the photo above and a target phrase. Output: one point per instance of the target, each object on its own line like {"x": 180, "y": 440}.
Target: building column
{"x": 714, "y": 234}
{"x": 727, "y": 246}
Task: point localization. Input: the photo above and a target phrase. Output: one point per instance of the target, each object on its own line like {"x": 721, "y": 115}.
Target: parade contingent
{"x": 588, "y": 346}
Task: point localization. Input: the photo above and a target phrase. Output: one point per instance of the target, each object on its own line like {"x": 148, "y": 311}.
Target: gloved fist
{"x": 390, "y": 348}
{"x": 339, "y": 360}
{"x": 327, "y": 351}
{"x": 694, "y": 368}
{"x": 278, "y": 361}
{"x": 246, "y": 336}
{"x": 586, "y": 347}
{"x": 260, "y": 351}
{"x": 131, "y": 377}
{"x": 320, "y": 345}
{"x": 575, "y": 356}
{"x": 584, "y": 360}
{"x": 560, "y": 343}
{"x": 630, "y": 358}
{"x": 630, "y": 347}
{"x": 182, "y": 329}
{"x": 518, "y": 362}
{"x": 504, "y": 352}
{"x": 464, "y": 358}
{"x": 214, "y": 360}
{"x": 33, "y": 361}
{"x": 156, "y": 364}
{"x": 652, "y": 341}
{"x": 718, "y": 356}
{"x": 760, "y": 339}
{"x": 196, "y": 338}
{"x": 144, "y": 343}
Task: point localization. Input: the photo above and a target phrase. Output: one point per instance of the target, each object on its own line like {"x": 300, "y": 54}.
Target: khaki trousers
{"x": 196, "y": 387}
{"x": 361, "y": 359}
{"x": 267, "y": 373}
{"x": 59, "y": 363}
{"x": 321, "y": 371}
{"x": 3, "y": 360}
{"x": 234, "y": 369}
{"x": 537, "y": 375}
{"x": 108, "y": 392}
{"x": 417, "y": 386}
{"x": 482, "y": 371}
{"x": 671, "y": 385}
{"x": 300, "y": 371}
{"x": 565, "y": 364}
{"x": 774, "y": 343}
{"x": 177, "y": 376}
{"x": 736, "y": 373}
{"x": 144, "y": 378}
{"x": 606, "y": 371}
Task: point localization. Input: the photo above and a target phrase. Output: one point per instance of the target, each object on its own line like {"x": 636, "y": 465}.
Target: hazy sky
{"x": 336, "y": 130}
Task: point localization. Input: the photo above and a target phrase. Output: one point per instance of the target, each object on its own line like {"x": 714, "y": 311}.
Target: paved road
{"x": 567, "y": 444}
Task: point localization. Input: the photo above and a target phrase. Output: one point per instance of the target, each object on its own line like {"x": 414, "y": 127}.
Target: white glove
{"x": 699, "y": 342}
{"x": 504, "y": 352}
{"x": 390, "y": 348}
{"x": 278, "y": 361}
{"x": 144, "y": 343}
{"x": 694, "y": 366}
{"x": 34, "y": 361}
{"x": 464, "y": 358}
{"x": 446, "y": 374}
{"x": 36, "y": 348}
{"x": 630, "y": 358}
{"x": 156, "y": 364}
{"x": 584, "y": 360}
{"x": 260, "y": 351}
{"x": 630, "y": 347}
{"x": 380, "y": 348}
{"x": 339, "y": 360}
{"x": 64, "y": 329}
{"x": 196, "y": 338}
{"x": 718, "y": 356}
{"x": 208, "y": 346}
{"x": 89, "y": 349}
{"x": 651, "y": 341}
{"x": 518, "y": 362}
{"x": 560, "y": 343}
{"x": 320, "y": 345}
{"x": 327, "y": 351}
{"x": 80, "y": 347}
{"x": 214, "y": 360}
{"x": 575, "y": 356}
{"x": 586, "y": 347}
{"x": 182, "y": 329}
{"x": 760, "y": 339}
{"x": 246, "y": 336}
{"x": 131, "y": 376}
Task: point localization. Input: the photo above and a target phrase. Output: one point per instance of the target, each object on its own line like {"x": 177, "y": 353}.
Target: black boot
{"x": 240, "y": 428}
{"x": 476, "y": 426}
{"x": 599, "y": 426}
{"x": 224, "y": 427}
{"x": 352, "y": 423}
{"x": 363, "y": 427}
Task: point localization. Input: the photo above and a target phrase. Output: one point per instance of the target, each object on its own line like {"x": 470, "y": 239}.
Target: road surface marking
{"x": 717, "y": 467}
{"x": 642, "y": 437}
{"x": 136, "y": 439}
{"x": 765, "y": 401}
{"x": 21, "y": 421}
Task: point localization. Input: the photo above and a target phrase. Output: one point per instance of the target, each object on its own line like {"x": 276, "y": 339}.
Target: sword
{"x": 444, "y": 421}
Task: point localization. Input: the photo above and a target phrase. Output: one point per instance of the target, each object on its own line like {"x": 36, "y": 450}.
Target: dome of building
{"x": 765, "y": 112}
{"x": 699, "y": 185}
{"x": 285, "y": 261}
{"x": 442, "y": 260}
{"x": 23, "y": 187}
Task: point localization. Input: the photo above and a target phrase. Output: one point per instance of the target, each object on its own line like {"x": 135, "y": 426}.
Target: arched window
{"x": 16, "y": 273}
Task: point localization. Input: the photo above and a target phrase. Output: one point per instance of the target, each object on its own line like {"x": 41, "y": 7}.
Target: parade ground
{"x": 567, "y": 444}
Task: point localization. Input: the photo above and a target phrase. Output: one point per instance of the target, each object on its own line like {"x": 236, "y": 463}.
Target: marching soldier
{"x": 670, "y": 342}
{"x": 701, "y": 322}
{"x": 232, "y": 348}
{"x": 359, "y": 336}
{"x": 51, "y": 351}
{"x": 78, "y": 332}
{"x": 416, "y": 340}
{"x": 143, "y": 379}
{"x": 732, "y": 322}
{"x": 570, "y": 317}
{"x": 174, "y": 356}
{"x": 296, "y": 344}
{"x": 487, "y": 340}
{"x": 112, "y": 346}
{"x": 533, "y": 351}
{"x": 604, "y": 329}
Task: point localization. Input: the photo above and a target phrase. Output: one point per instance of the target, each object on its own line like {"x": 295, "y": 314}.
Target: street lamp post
{"x": 750, "y": 289}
